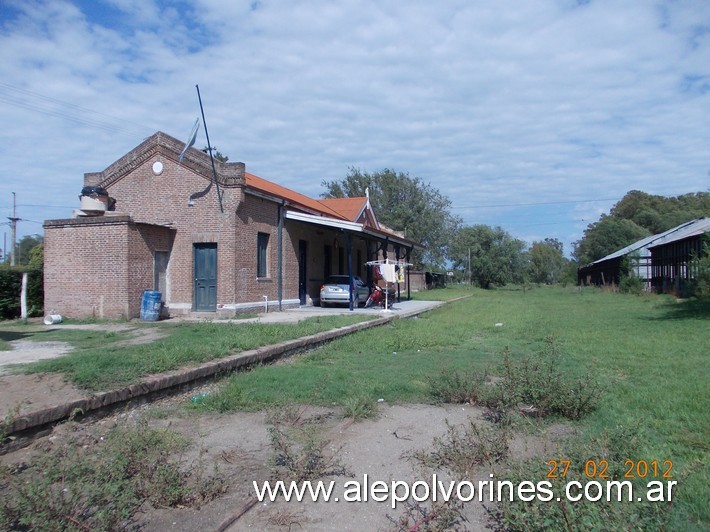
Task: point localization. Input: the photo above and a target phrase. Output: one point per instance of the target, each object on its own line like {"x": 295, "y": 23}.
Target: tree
{"x": 406, "y": 204}
{"x": 607, "y": 235}
{"x": 635, "y": 216}
{"x": 218, "y": 156}
{"x": 496, "y": 258}
{"x": 24, "y": 248}
{"x": 547, "y": 262}
{"x": 36, "y": 261}
{"x": 660, "y": 213}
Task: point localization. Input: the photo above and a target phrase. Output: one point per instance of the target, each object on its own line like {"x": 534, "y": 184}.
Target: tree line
{"x": 489, "y": 256}
{"x": 635, "y": 216}
{"x": 480, "y": 254}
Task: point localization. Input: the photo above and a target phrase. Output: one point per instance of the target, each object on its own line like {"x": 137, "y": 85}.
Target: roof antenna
{"x": 209, "y": 149}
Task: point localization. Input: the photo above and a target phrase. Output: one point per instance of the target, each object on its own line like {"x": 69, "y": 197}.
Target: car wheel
{"x": 323, "y": 304}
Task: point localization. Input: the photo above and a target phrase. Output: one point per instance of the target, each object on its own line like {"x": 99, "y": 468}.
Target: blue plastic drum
{"x": 150, "y": 305}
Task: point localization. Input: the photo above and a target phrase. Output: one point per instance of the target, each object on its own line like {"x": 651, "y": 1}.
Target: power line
{"x": 535, "y": 203}
{"x": 45, "y": 206}
{"x": 514, "y": 224}
{"x": 47, "y": 105}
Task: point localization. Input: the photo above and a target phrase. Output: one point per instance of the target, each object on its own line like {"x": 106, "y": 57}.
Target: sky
{"x": 532, "y": 115}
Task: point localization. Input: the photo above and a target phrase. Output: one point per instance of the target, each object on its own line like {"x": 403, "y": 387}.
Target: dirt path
{"x": 239, "y": 446}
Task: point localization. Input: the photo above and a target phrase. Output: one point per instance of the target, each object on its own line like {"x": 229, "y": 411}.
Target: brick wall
{"x": 82, "y": 277}
{"x": 255, "y": 215}
{"x": 99, "y": 266}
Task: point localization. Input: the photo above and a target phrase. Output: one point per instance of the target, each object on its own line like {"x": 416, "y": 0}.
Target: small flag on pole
{"x": 191, "y": 140}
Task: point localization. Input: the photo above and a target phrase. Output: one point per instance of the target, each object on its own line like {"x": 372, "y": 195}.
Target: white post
{"x": 23, "y": 297}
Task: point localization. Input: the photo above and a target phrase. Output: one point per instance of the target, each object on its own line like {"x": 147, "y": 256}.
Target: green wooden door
{"x": 205, "y": 293}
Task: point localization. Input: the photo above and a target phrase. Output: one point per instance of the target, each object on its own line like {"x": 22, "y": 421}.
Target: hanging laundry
{"x": 388, "y": 273}
{"x": 400, "y": 274}
{"x": 376, "y": 275}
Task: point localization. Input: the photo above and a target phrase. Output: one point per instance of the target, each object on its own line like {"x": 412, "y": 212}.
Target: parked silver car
{"x": 335, "y": 291}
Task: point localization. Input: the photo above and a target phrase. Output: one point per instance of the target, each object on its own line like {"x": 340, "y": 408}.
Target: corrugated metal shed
{"x": 671, "y": 258}
{"x": 606, "y": 269}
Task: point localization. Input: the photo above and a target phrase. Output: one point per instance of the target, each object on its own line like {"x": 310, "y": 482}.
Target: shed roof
{"x": 694, "y": 228}
{"x": 684, "y": 230}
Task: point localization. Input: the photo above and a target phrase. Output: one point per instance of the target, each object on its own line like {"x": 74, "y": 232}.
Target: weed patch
{"x": 300, "y": 450}
{"x": 535, "y": 384}
{"x": 102, "y": 486}
{"x": 462, "y": 449}
{"x": 465, "y": 386}
{"x": 440, "y": 516}
{"x": 540, "y": 382}
{"x": 359, "y": 408}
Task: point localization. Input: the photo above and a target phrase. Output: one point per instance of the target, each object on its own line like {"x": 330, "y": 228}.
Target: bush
{"x": 630, "y": 284}
{"x": 701, "y": 271}
{"x": 11, "y": 288}
{"x": 538, "y": 382}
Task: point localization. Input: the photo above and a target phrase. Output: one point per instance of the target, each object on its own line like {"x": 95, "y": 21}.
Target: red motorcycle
{"x": 380, "y": 297}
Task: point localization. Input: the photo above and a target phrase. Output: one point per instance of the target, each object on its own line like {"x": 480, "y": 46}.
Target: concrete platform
{"x": 402, "y": 309}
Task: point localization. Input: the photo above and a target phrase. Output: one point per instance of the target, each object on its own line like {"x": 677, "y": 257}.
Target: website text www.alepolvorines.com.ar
{"x": 435, "y": 489}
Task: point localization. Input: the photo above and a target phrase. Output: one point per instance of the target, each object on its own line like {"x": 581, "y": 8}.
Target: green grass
{"x": 99, "y": 362}
{"x": 649, "y": 352}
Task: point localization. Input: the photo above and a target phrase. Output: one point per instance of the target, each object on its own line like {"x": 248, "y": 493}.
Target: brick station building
{"x": 217, "y": 246}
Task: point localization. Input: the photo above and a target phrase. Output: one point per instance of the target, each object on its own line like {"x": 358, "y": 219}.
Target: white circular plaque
{"x": 157, "y": 168}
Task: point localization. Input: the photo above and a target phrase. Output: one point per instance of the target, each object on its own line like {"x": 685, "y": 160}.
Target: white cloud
{"x": 493, "y": 103}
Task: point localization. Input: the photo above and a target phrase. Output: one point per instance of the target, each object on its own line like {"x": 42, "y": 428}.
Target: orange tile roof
{"x": 350, "y": 208}
{"x": 292, "y": 196}
{"x": 341, "y": 208}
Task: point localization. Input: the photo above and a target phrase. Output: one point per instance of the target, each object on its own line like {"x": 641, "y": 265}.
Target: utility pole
{"x": 13, "y": 226}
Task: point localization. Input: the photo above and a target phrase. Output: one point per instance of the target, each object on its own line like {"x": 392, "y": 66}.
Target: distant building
{"x": 671, "y": 258}
{"x": 607, "y": 270}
